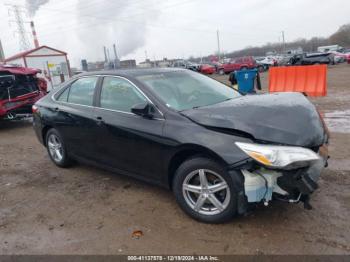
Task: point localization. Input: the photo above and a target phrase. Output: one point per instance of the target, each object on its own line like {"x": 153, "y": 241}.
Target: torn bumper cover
{"x": 293, "y": 186}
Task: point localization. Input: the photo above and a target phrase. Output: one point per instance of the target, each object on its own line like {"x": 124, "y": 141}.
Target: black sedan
{"x": 217, "y": 150}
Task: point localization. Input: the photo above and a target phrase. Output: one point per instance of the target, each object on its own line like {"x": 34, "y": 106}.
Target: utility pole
{"x": 17, "y": 12}
{"x": 284, "y": 42}
{"x": 218, "y": 39}
{"x": 116, "y": 58}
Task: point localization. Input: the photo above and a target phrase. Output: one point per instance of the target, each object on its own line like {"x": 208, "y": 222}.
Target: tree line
{"x": 340, "y": 37}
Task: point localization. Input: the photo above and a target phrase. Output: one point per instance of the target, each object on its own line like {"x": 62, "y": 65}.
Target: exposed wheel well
{"x": 186, "y": 154}
{"x": 44, "y": 132}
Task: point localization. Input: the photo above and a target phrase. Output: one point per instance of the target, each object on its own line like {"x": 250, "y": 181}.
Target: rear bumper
{"x": 19, "y": 105}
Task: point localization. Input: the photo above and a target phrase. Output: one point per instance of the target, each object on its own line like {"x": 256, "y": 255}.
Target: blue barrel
{"x": 245, "y": 80}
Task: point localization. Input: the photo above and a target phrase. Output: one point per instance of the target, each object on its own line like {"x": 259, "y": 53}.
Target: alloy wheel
{"x": 206, "y": 192}
{"x": 55, "y": 148}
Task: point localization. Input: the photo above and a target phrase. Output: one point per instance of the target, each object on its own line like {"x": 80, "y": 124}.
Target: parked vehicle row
{"x": 264, "y": 63}
{"x": 186, "y": 65}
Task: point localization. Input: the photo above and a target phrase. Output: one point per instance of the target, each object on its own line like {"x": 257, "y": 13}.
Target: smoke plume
{"x": 123, "y": 24}
{"x": 34, "y": 5}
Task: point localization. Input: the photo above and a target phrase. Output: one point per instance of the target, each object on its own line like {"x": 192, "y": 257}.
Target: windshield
{"x": 183, "y": 90}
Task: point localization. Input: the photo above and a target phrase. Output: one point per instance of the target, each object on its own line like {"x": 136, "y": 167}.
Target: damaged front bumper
{"x": 293, "y": 186}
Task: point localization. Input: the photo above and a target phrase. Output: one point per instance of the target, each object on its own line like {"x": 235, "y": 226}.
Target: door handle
{"x": 99, "y": 120}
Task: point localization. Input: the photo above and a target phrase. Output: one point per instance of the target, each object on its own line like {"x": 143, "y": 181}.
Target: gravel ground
{"x": 83, "y": 210}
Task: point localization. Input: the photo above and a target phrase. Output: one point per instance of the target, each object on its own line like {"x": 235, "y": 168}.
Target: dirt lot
{"x": 83, "y": 210}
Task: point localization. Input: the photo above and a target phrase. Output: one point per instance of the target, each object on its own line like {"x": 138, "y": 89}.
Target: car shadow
{"x": 259, "y": 214}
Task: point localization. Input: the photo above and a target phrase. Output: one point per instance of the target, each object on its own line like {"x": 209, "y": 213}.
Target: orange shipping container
{"x": 311, "y": 80}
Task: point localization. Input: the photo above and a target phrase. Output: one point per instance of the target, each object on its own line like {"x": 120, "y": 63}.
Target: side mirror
{"x": 144, "y": 109}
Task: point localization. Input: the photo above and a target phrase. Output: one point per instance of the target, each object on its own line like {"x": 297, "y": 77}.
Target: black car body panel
{"x": 277, "y": 118}
{"x": 147, "y": 148}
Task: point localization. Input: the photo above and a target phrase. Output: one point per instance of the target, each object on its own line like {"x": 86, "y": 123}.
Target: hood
{"x": 283, "y": 118}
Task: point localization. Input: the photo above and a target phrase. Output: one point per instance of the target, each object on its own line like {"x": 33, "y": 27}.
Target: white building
{"x": 52, "y": 62}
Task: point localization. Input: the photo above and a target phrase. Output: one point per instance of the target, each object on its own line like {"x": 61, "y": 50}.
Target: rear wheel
{"x": 56, "y": 148}
{"x": 205, "y": 191}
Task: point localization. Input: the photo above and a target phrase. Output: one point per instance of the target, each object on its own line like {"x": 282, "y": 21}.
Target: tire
{"x": 200, "y": 205}
{"x": 221, "y": 71}
{"x": 56, "y": 148}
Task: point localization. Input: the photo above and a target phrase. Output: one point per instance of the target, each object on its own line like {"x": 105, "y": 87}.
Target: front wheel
{"x": 205, "y": 191}
{"x": 56, "y": 148}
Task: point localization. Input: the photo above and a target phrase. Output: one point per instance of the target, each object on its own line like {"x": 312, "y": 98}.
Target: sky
{"x": 167, "y": 28}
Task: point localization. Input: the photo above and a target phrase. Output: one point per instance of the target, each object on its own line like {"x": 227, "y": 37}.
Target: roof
{"x": 19, "y": 70}
{"x": 134, "y": 72}
{"x": 28, "y": 52}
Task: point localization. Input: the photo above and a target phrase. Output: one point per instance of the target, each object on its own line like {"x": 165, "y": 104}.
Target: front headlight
{"x": 285, "y": 157}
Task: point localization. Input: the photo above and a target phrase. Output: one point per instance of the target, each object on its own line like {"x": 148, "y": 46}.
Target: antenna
{"x": 17, "y": 12}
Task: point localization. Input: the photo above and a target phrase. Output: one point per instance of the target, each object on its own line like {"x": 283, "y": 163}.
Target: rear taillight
{"x": 35, "y": 109}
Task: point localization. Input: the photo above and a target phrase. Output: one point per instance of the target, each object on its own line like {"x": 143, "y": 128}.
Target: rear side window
{"x": 64, "y": 95}
{"x": 82, "y": 91}
{"x": 119, "y": 94}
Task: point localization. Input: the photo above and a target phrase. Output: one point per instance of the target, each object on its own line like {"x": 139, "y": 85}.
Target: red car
{"x": 207, "y": 69}
{"x": 237, "y": 64}
{"x": 20, "y": 88}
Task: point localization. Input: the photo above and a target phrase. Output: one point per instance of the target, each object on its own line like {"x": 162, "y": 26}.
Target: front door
{"x": 126, "y": 141}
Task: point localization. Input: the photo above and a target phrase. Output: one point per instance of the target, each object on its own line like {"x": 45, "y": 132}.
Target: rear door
{"x": 126, "y": 141}
{"x": 75, "y": 118}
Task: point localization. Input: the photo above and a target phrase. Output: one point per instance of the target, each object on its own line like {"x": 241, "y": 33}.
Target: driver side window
{"x": 119, "y": 94}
